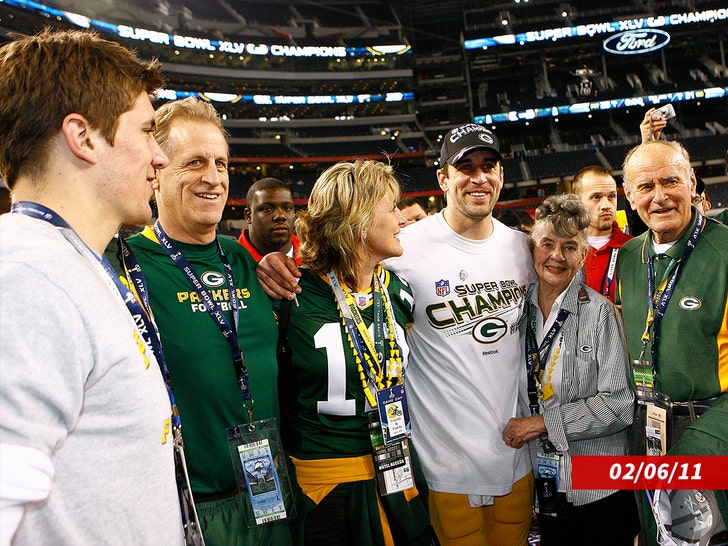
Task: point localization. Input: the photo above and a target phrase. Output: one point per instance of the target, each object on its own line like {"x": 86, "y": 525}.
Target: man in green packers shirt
{"x": 191, "y": 193}
{"x": 679, "y": 270}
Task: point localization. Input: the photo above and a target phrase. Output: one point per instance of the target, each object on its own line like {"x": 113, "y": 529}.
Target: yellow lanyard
{"x": 379, "y": 374}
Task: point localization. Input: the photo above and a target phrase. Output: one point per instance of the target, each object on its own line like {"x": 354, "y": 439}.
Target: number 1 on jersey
{"x": 329, "y": 338}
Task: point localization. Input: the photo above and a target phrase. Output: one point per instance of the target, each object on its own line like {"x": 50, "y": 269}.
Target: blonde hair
{"x": 187, "y": 109}
{"x": 341, "y": 207}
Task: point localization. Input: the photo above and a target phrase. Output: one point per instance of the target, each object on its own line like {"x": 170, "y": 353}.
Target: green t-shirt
{"x": 324, "y": 410}
{"x": 200, "y": 359}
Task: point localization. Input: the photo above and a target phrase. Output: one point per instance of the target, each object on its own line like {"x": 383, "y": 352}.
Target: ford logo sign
{"x": 634, "y": 42}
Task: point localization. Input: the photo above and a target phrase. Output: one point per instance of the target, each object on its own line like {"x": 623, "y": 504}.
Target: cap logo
{"x": 464, "y": 139}
{"x": 463, "y": 130}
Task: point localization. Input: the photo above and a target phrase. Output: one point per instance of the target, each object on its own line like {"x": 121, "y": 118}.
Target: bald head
{"x": 660, "y": 186}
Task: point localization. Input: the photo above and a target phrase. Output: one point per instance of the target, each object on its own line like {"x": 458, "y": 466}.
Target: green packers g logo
{"x": 212, "y": 279}
{"x": 490, "y": 330}
{"x": 690, "y": 303}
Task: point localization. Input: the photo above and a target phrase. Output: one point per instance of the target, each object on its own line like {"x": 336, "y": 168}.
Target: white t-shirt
{"x": 466, "y": 360}
{"x": 662, "y": 248}
{"x": 599, "y": 241}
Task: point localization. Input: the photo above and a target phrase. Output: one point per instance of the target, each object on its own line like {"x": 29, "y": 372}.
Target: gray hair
{"x": 565, "y": 215}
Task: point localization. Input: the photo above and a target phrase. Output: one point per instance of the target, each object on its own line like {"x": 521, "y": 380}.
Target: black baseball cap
{"x": 464, "y": 139}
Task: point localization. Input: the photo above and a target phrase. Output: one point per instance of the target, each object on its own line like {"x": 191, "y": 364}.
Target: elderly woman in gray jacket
{"x": 579, "y": 396}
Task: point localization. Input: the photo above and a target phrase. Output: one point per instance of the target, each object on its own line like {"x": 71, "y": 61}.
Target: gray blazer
{"x": 597, "y": 401}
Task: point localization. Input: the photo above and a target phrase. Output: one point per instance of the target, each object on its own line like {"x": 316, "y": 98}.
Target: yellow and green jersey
{"x": 324, "y": 404}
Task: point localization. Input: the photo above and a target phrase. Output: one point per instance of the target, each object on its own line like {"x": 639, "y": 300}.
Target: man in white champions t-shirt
{"x": 469, "y": 274}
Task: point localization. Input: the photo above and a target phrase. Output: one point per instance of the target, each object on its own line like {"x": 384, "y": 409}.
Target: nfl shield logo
{"x": 442, "y": 287}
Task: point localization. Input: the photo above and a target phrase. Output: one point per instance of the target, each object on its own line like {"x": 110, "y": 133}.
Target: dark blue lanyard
{"x": 657, "y": 303}
{"x": 41, "y": 212}
{"x": 535, "y": 353}
{"x": 133, "y": 305}
{"x": 378, "y": 322}
{"x": 229, "y": 332}
{"x": 141, "y": 308}
{"x": 35, "y": 210}
{"x": 608, "y": 278}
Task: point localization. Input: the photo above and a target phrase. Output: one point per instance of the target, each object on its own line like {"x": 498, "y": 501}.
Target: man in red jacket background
{"x": 270, "y": 214}
{"x": 598, "y": 191}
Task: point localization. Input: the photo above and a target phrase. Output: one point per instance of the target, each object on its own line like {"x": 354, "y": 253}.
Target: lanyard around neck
{"x": 41, "y": 212}
{"x": 608, "y": 278}
{"x": 657, "y": 301}
{"x": 380, "y": 373}
{"x": 147, "y": 329}
{"x": 535, "y": 354}
{"x": 228, "y": 331}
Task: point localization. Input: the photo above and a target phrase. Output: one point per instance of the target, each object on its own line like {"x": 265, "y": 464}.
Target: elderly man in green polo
{"x": 672, "y": 284}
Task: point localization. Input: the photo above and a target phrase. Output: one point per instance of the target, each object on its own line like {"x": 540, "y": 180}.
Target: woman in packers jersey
{"x": 348, "y": 360}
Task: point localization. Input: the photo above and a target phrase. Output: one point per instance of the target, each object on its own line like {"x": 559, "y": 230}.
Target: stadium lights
{"x": 209, "y": 44}
{"x": 603, "y": 105}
